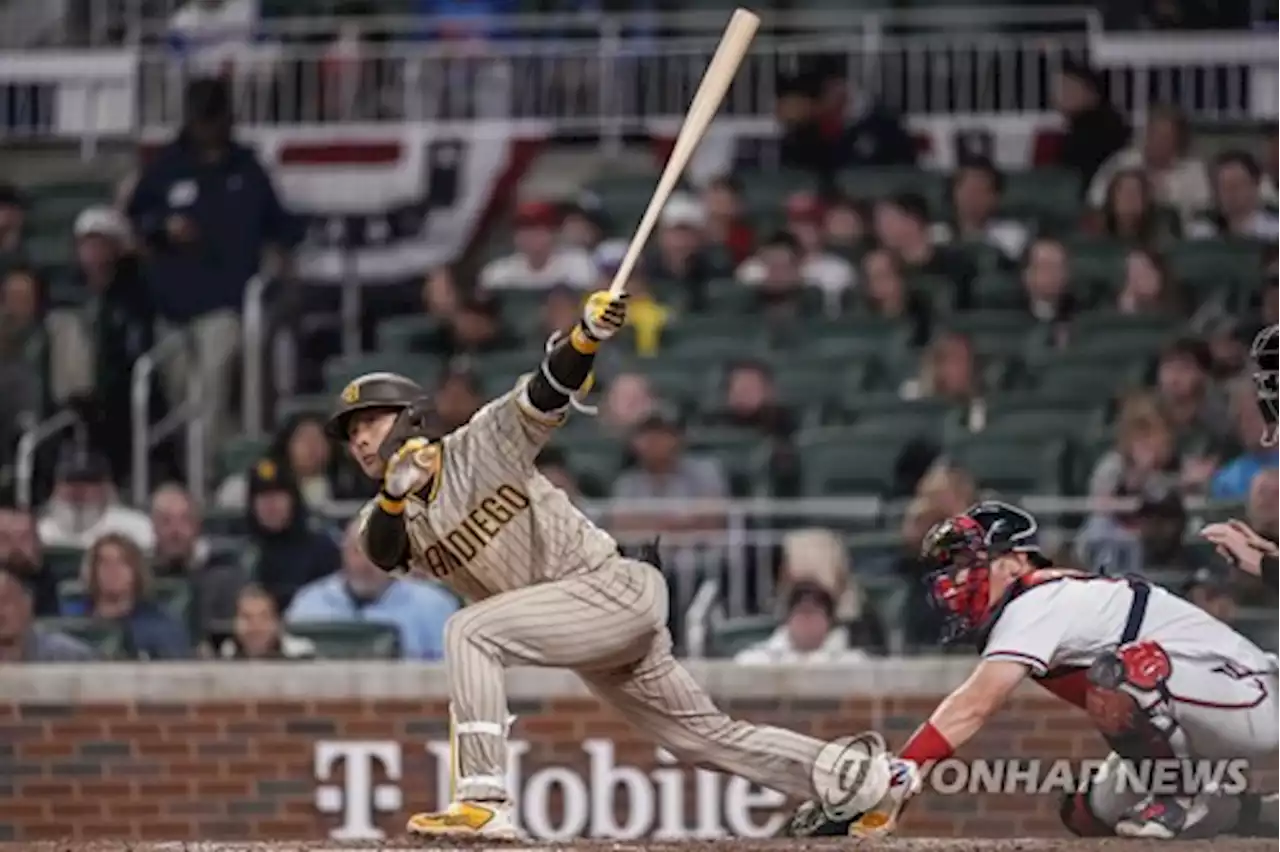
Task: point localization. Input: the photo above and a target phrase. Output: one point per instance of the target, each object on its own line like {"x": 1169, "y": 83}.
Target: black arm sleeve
{"x": 1268, "y": 571}
{"x": 564, "y": 366}
{"x": 385, "y": 540}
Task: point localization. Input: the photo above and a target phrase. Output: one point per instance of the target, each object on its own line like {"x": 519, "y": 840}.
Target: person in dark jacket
{"x": 291, "y": 549}
{"x": 93, "y": 345}
{"x": 20, "y": 552}
{"x": 207, "y": 212}
{"x": 1095, "y": 130}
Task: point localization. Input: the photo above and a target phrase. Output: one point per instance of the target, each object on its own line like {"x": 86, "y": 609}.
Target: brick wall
{"x": 212, "y": 752}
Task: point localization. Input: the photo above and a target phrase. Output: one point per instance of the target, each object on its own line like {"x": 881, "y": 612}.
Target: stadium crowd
{"x": 925, "y": 340}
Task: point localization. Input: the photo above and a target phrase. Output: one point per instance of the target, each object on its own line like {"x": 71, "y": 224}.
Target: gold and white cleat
{"x": 462, "y": 820}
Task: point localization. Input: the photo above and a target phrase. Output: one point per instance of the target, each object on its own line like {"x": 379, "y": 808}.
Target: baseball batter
{"x": 545, "y": 586}
{"x": 1163, "y": 680}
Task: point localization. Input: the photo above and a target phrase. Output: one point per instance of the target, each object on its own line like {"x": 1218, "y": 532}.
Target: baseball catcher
{"x": 545, "y": 586}
{"x": 1162, "y": 680}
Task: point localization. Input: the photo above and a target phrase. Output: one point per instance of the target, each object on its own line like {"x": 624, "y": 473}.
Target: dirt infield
{"x": 898, "y": 845}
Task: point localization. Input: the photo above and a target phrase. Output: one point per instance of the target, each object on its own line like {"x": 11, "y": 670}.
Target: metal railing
{"x": 108, "y": 23}
{"x": 254, "y": 340}
{"x": 29, "y": 444}
{"x": 189, "y": 412}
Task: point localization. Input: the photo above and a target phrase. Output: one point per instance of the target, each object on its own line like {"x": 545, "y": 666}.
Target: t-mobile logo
{"x": 358, "y": 799}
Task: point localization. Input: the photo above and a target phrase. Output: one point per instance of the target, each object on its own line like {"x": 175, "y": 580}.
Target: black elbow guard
{"x": 385, "y": 541}
{"x": 562, "y": 372}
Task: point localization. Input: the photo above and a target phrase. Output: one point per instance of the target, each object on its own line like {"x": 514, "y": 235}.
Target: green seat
{"x": 841, "y": 339}
{"x": 732, "y": 635}
{"x": 172, "y": 594}
{"x": 841, "y": 464}
{"x": 1101, "y": 325}
{"x": 1050, "y": 196}
{"x": 873, "y": 183}
{"x": 886, "y": 405}
{"x": 1096, "y": 381}
{"x": 1259, "y": 625}
{"x": 1011, "y": 465}
{"x": 338, "y": 372}
{"x": 238, "y": 454}
{"x": 314, "y": 404}
{"x": 1045, "y": 423}
{"x": 980, "y": 323}
{"x": 64, "y": 562}
{"x": 347, "y": 640}
{"x": 998, "y": 291}
{"x": 1210, "y": 261}
{"x": 731, "y": 297}
{"x": 408, "y": 333}
{"x": 741, "y": 453}
{"x": 1097, "y": 261}
{"x": 105, "y": 637}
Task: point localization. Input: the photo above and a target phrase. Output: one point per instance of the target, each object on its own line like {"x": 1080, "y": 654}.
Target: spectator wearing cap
{"x": 831, "y": 274}
{"x": 902, "y": 226}
{"x": 680, "y": 258}
{"x": 362, "y": 592}
{"x": 22, "y": 552}
{"x": 663, "y": 470}
{"x": 1047, "y": 296}
{"x": 1178, "y": 180}
{"x": 93, "y": 346}
{"x": 1146, "y": 536}
{"x": 975, "y": 191}
{"x": 1095, "y": 130}
{"x": 119, "y": 586}
{"x": 585, "y": 224}
{"x": 727, "y": 224}
{"x": 646, "y": 315}
{"x": 22, "y": 344}
{"x": 540, "y": 260}
{"x": 84, "y": 505}
{"x": 21, "y": 639}
{"x": 13, "y": 227}
{"x": 208, "y": 214}
{"x": 290, "y": 548}
{"x": 1238, "y": 207}
{"x": 1196, "y": 407}
{"x": 1211, "y": 591}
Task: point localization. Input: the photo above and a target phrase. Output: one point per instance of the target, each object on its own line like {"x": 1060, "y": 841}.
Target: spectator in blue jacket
{"x": 362, "y": 591}
{"x": 118, "y": 582}
{"x": 207, "y": 212}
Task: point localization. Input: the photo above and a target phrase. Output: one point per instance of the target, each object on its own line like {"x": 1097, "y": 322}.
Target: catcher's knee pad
{"x": 1127, "y": 697}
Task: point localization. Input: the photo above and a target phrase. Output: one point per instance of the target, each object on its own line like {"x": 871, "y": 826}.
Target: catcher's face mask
{"x": 959, "y": 582}
{"x": 1264, "y": 353}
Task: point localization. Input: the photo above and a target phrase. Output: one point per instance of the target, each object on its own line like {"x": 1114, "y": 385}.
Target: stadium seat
{"x": 837, "y": 462}
{"x": 64, "y": 562}
{"x": 238, "y": 454}
{"x": 1011, "y": 465}
{"x": 998, "y": 291}
{"x": 172, "y": 594}
{"x": 105, "y": 637}
{"x": 320, "y": 404}
{"x": 413, "y": 333}
{"x": 732, "y": 635}
{"x": 346, "y": 640}
{"x": 1096, "y": 261}
{"x": 1051, "y": 197}
{"x": 338, "y": 372}
{"x": 874, "y": 183}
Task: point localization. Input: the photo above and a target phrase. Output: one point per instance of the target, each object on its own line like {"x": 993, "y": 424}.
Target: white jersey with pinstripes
{"x": 492, "y": 522}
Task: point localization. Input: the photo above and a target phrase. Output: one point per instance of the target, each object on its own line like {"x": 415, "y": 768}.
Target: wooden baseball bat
{"x": 706, "y": 102}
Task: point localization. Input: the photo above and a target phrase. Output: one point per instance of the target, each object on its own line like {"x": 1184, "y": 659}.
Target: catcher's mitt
{"x": 414, "y": 421}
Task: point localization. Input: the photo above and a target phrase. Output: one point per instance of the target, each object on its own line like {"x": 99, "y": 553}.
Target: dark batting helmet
{"x": 1265, "y": 373}
{"x": 372, "y": 391}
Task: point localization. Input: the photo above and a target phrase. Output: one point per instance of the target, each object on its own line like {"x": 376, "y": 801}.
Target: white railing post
{"x": 697, "y": 619}
{"x": 29, "y": 443}
{"x": 253, "y": 344}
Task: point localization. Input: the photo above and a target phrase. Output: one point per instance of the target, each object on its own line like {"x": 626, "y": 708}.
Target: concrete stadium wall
{"x": 260, "y": 751}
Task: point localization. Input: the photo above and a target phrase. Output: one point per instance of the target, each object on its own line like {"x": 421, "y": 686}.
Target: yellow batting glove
{"x": 603, "y": 316}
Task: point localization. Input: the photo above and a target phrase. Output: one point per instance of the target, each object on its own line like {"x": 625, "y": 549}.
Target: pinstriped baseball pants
{"x": 609, "y": 626}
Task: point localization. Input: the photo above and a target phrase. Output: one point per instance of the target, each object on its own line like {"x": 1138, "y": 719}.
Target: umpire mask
{"x": 1266, "y": 380}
